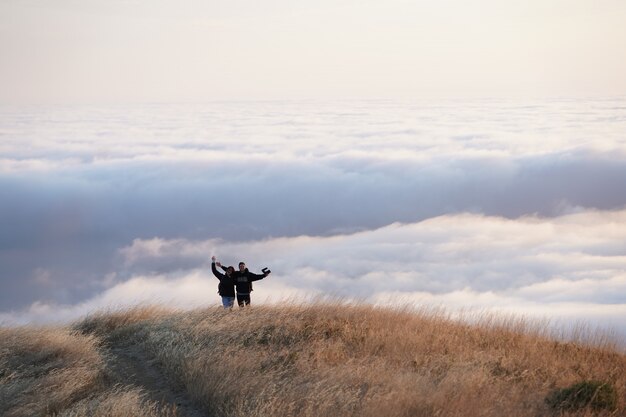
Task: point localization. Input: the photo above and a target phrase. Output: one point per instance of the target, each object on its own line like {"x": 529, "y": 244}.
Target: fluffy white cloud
{"x": 565, "y": 268}
{"x": 193, "y": 289}
{"x": 531, "y": 255}
{"x": 379, "y": 131}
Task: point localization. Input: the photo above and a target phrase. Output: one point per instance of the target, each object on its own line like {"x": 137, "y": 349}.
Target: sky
{"x": 470, "y": 155}
{"x": 138, "y": 51}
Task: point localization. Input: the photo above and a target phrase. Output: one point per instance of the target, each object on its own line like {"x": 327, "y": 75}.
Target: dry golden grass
{"x": 325, "y": 359}
{"x": 118, "y": 402}
{"x": 53, "y": 371}
{"x": 44, "y": 370}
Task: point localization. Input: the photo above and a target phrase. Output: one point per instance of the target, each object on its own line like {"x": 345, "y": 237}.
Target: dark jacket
{"x": 226, "y": 287}
{"x": 243, "y": 281}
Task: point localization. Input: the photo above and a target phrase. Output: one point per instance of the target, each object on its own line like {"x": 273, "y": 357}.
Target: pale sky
{"x": 164, "y": 50}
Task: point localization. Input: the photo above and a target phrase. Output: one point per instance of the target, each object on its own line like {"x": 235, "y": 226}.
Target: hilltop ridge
{"x": 325, "y": 359}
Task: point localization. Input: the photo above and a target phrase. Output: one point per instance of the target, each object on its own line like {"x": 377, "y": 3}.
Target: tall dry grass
{"x": 325, "y": 359}
{"x": 54, "y": 371}
{"x": 44, "y": 370}
{"x": 336, "y": 359}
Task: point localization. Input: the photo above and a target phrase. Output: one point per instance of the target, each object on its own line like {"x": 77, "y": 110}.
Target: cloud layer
{"x": 575, "y": 258}
{"x": 486, "y": 202}
{"x": 565, "y": 269}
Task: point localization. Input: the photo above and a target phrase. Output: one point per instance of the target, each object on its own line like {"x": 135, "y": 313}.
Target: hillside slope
{"x": 313, "y": 360}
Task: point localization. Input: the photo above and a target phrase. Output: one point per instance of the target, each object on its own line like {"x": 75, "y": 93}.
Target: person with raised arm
{"x": 226, "y": 287}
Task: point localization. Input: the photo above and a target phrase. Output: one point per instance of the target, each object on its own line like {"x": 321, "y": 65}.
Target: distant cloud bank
{"x": 491, "y": 204}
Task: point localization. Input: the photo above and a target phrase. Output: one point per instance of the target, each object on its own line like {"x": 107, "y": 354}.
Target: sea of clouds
{"x": 488, "y": 204}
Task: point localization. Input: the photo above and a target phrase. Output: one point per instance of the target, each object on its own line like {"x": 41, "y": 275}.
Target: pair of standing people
{"x": 240, "y": 280}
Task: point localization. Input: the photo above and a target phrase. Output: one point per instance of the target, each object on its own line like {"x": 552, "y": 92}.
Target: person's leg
{"x": 228, "y": 302}
{"x": 241, "y": 300}
{"x": 246, "y": 300}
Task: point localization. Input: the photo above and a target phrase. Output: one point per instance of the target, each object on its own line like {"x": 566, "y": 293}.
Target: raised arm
{"x": 217, "y": 273}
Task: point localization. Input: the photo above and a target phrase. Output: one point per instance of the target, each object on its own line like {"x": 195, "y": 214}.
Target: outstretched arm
{"x": 256, "y": 277}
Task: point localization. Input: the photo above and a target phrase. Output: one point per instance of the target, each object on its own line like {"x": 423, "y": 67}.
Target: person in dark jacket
{"x": 243, "y": 282}
{"x": 226, "y": 287}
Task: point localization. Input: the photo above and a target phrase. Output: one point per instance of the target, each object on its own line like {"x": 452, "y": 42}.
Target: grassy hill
{"x": 327, "y": 359}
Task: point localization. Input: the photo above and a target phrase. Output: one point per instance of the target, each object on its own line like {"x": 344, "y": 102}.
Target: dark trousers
{"x": 243, "y": 300}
